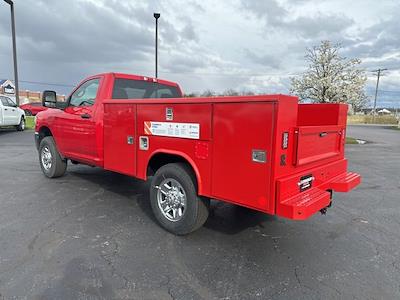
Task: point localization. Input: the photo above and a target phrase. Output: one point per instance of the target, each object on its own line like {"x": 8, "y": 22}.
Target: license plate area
{"x": 305, "y": 182}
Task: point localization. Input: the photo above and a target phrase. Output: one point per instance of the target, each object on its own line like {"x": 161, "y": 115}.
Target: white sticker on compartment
{"x": 171, "y": 129}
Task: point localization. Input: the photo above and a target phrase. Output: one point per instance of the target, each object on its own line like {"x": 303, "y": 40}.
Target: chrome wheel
{"x": 171, "y": 199}
{"x": 46, "y": 158}
{"x": 23, "y": 124}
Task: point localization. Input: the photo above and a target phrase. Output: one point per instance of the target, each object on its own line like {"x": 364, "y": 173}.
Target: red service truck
{"x": 267, "y": 153}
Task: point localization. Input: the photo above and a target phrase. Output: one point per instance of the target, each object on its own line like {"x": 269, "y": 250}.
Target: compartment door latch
{"x": 259, "y": 156}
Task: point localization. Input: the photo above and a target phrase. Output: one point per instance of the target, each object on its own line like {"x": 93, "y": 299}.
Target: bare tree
{"x": 208, "y": 93}
{"x": 331, "y": 78}
{"x": 230, "y": 92}
{"x": 246, "y": 93}
{"x": 191, "y": 95}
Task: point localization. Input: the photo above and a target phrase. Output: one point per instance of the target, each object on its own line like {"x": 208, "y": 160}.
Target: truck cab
{"x": 11, "y": 114}
{"x": 78, "y": 126}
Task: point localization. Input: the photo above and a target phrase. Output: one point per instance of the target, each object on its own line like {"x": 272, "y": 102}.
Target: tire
{"x": 50, "y": 160}
{"x": 170, "y": 182}
{"x": 21, "y": 125}
{"x": 28, "y": 113}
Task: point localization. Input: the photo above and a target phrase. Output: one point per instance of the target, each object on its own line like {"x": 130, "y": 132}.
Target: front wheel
{"x": 21, "y": 125}
{"x": 174, "y": 199}
{"x": 50, "y": 160}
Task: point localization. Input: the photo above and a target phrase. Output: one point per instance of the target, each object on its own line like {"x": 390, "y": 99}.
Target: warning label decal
{"x": 180, "y": 130}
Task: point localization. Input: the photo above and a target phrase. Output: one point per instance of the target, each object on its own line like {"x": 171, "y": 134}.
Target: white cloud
{"x": 253, "y": 45}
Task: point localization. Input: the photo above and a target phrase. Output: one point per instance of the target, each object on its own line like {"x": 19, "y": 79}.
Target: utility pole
{"x": 14, "y": 50}
{"x": 376, "y": 89}
{"x": 156, "y": 16}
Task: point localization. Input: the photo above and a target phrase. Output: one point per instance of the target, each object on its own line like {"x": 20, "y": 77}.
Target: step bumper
{"x": 344, "y": 182}
{"x": 305, "y": 204}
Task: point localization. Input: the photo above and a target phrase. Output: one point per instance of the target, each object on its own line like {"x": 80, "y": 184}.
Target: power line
{"x": 211, "y": 74}
{"x": 386, "y": 91}
{"x": 45, "y": 83}
{"x": 176, "y": 73}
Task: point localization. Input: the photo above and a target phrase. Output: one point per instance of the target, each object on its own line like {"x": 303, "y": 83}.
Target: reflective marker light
{"x": 285, "y": 140}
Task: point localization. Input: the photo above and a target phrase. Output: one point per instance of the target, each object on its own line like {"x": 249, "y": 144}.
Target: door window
{"x": 10, "y": 102}
{"x": 4, "y": 101}
{"x": 85, "y": 95}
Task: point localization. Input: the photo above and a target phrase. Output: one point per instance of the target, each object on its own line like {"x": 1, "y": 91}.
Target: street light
{"x": 156, "y": 16}
{"x": 14, "y": 50}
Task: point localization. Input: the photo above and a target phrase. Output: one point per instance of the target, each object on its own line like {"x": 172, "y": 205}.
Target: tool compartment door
{"x": 120, "y": 138}
{"x": 315, "y": 143}
{"x": 242, "y": 150}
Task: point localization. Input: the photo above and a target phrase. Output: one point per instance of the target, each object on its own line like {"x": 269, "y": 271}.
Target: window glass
{"x": 4, "y": 101}
{"x": 137, "y": 89}
{"x": 85, "y": 95}
{"x": 10, "y": 102}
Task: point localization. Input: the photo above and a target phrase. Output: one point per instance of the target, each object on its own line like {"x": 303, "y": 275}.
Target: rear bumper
{"x": 344, "y": 182}
{"x": 304, "y": 204}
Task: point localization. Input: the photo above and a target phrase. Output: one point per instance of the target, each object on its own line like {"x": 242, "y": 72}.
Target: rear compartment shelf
{"x": 303, "y": 205}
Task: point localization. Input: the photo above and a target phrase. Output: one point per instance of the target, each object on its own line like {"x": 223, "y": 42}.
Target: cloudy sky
{"x": 204, "y": 44}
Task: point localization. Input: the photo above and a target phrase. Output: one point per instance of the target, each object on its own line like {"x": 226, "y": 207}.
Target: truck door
{"x": 76, "y": 124}
{"x": 7, "y": 112}
{"x": 14, "y": 112}
{"x": 2, "y": 121}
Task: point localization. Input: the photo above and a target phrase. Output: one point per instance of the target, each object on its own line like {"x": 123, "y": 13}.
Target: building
{"x": 7, "y": 88}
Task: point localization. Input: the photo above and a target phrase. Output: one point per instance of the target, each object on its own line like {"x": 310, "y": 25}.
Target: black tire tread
{"x": 204, "y": 203}
{"x": 19, "y": 126}
{"x": 59, "y": 167}
{"x": 201, "y": 210}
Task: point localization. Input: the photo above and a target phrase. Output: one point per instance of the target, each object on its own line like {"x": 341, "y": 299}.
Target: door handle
{"x": 86, "y": 116}
{"x": 5, "y": 109}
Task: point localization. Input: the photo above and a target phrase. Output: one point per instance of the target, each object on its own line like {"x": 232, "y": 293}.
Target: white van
{"x": 11, "y": 114}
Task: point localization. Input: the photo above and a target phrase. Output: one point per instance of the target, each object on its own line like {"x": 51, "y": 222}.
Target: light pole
{"x": 14, "y": 50}
{"x": 156, "y": 16}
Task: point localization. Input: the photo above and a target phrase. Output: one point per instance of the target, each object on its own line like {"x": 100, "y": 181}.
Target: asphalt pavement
{"x": 91, "y": 235}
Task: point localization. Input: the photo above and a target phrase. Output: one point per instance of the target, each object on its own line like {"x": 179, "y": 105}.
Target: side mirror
{"x": 49, "y": 99}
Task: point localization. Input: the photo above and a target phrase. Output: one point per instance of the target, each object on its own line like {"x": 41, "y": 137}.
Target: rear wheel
{"x": 21, "y": 125}
{"x": 50, "y": 160}
{"x": 174, "y": 199}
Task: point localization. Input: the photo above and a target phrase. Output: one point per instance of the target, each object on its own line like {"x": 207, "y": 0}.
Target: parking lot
{"x": 91, "y": 235}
